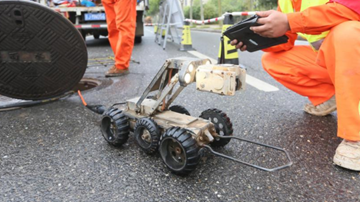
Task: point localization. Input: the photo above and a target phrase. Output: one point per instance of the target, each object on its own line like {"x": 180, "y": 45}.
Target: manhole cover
{"x": 42, "y": 55}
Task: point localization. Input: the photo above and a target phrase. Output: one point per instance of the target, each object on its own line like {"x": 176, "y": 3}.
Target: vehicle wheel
{"x": 96, "y": 36}
{"x": 179, "y": 109}
{"x": 115, "y": 127}
{"x": 147, "y": 135}
{"x": 179, "y": 150}
{"x": 83, "y": 34}
{"x": 222, "y": 124}
{"x": 138, "y": 39}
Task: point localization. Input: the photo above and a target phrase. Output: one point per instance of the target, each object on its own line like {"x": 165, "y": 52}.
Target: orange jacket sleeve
{"x": 318, "y": 19}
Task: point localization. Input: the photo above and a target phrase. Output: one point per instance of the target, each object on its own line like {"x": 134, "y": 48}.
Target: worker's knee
{"x": 267, "y": 59}
{"x": 277, "y": 64}
{"x": 126, "y": 27}
{"x": 346, "y": 33}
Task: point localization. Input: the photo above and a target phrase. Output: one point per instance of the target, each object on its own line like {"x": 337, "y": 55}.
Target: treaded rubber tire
{"x": 189, "y": 148}
{"x": 115, "y": 127}
{"x": 222, "y": 119}
{"x": 137, "y": 39}
{"x": 179, "y": 109}
{"x": 154, "y": 132}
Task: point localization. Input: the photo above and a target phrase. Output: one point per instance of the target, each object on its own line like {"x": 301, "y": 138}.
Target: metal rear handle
{"x": 249, "y": 164}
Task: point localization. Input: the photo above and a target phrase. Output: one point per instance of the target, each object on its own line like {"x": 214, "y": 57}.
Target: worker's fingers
{"x": 239, "y": 45}
{"x": 262, "y": 21}
{"x": 264, "y": 13}
{"x": 243, "y": 48}
{"x": 234, "y": 42}
{"x": 259, "y": 29}
{"x": 263, "y": 31}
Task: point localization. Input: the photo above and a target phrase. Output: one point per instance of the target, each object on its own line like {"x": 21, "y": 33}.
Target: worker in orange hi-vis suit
{"x": 121, "y": 21}
{"x": 328, "y": 70}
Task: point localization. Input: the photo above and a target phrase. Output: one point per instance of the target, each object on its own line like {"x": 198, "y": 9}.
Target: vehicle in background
{"x": 92, "y": 20}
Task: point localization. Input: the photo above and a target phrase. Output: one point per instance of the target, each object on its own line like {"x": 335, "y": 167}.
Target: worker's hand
{"x": 274, "y": 24}
{"x": 239, "y": 45}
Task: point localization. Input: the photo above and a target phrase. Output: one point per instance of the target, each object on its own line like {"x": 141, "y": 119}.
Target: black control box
{"x": 254, "y": 42}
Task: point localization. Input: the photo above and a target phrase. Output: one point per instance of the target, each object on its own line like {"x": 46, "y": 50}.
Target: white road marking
{"x": 202, "y": 56}
{"x": 250, "y": 80}
{"x": 150, "y": 32}
{"x": 260, "y": 85}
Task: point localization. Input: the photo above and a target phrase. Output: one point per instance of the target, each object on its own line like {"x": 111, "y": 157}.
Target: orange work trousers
{"x": 121, "y": 22}
{"x": 335, "y": 69}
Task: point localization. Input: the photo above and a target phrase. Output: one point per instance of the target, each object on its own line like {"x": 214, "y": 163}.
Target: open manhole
{"x": 87, "y": 84}
{"x": 8, "y": 103}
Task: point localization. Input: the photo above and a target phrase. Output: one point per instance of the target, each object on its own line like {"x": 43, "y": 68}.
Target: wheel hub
{"x": 176, "y": 152}
{"x": 222, "y": 126}
{"x": 146, "y": 136}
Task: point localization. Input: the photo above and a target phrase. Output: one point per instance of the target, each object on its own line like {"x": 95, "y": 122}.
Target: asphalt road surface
{"x": 55, "y": 152}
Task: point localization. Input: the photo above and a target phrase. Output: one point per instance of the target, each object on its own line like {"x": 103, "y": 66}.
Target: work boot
{"x": 113, "y": 72}
{"x": 322, "y": 109}
{"x": 347, "y": 155}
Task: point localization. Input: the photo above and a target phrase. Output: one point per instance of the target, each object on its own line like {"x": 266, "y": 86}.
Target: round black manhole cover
{"x": 42, "y": 55}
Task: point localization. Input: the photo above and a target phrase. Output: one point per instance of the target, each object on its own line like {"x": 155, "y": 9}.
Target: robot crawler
{"x": 171, "y": 130}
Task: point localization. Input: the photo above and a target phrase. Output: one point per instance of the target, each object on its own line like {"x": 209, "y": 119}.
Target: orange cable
{"x": 82, "y": 99}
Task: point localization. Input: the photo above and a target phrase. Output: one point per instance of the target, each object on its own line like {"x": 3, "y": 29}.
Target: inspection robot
{"x": 170, "y": 129}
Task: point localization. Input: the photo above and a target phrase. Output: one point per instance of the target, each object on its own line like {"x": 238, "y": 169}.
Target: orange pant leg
{"x": 113, "y": 33}
{"x": 126, "y": 24}
{"x": 340, "y": 54}
{"x": 121, "y": 20}
{"x": 297, "y": 70}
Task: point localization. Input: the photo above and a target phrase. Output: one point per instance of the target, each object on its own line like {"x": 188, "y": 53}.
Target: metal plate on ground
{"x": 42, "y": 54}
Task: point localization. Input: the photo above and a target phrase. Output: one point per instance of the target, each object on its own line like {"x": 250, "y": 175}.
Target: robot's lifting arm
{"x": 223, "y": 79}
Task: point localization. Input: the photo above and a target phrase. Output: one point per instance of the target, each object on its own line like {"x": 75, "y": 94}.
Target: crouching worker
{"x": 327, "y": 71}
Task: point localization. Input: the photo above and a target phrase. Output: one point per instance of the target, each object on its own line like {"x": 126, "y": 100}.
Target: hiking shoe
{"x": 113, "y": 72}
{"x": 322, "y": 109}
{"x": 347, "y": 155}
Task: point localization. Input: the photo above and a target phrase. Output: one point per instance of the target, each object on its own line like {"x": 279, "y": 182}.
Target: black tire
{"x": 83, "y": 34}
{"x": 115, "y": 127}
{"x": 222, "y": 124}
{"x": 147, "y": 135}
{"x": 179, "y": 109}
{"x": 179, "y": 151}
{"x": 138, "y": 39}
{"x": 96, "y": 36}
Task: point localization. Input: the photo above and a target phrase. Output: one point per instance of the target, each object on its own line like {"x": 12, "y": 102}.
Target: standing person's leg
{"x": 297, "y": 70}
{"x": 113, "y": 32}
{"x": 125, "y": 19}
{"x": 340, "y": 53}
{"x": 126, "y": 24}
